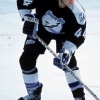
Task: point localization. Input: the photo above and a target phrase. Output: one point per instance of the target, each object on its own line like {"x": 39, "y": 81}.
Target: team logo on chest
{"x": 51, "y": 23}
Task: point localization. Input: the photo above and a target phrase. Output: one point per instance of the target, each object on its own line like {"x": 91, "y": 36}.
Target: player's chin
{"x": 70, "y": 3}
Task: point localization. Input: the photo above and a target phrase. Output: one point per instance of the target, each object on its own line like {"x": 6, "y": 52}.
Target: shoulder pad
{"x": 79, "y": 13}
{"x": 80, "y": 17}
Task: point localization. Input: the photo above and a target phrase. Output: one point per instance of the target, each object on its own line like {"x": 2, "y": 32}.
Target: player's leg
{"x": 32, "y": 49}
{"x": 29, "y": 70}
{"x": 75, "y": 86}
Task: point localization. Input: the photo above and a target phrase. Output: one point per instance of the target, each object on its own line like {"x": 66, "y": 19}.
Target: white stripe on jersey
{"x": 23, "y": 12}
{"x": 70, "y": 46}
{"x": 78, "y": 12}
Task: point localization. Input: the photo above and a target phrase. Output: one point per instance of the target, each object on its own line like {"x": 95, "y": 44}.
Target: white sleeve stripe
{"x": 69, "y": 46}
{"x": 78, "y": 12}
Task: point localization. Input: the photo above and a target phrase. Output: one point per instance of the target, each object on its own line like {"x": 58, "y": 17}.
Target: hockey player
{"x": 61, "y": 20}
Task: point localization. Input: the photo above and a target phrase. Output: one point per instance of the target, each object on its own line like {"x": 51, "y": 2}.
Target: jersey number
{"x": 79, "y": 33}
{"x": 27, "y": 2}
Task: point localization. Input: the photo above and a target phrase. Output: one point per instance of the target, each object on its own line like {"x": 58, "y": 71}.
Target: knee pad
{"x": 28, "y": 60}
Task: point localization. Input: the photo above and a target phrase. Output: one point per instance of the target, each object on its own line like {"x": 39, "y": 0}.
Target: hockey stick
{"x": 51, "y": 51}
{"x": 54, "y": 54}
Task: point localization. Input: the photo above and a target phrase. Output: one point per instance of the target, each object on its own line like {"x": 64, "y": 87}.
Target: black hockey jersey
{"x": 68, "y": 20}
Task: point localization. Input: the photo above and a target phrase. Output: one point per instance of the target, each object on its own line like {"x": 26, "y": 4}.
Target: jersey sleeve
{"x": 26, "y": 6}
{"x": 77, "y": 28}
{"x": 77, "y": 35}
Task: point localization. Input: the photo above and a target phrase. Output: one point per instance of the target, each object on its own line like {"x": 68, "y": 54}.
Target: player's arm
{"x": 74, "y": 41}
{"x": 77, "y": 33}
{"x": 77, "y": 37}
{"x": 26, "y": 6}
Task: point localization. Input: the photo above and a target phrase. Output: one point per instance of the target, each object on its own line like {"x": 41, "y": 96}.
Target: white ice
{"x": 55, "y": 85}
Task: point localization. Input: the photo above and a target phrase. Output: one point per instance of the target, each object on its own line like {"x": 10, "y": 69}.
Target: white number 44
{"x": 27, "y": 2}
{"x": 78, "y": 33}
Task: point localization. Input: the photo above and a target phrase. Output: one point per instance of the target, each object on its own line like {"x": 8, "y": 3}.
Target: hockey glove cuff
{"x": 29, "y": 25}
{"x": 63, "y": 58}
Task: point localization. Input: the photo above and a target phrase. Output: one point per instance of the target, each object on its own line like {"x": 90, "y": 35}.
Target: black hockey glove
{"x": 64, "y": 58}
{"x": 29, "y": 24}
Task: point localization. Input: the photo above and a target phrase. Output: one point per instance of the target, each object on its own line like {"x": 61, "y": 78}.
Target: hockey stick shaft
{"x": 52, "y": 52}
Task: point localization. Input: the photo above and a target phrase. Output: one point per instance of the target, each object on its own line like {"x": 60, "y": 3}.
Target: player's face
{"x": 67, "y": 2}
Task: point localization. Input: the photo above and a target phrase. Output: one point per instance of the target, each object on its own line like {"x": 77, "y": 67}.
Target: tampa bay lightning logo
{"x": 81, "y": 17}
{"x": 51, "y": 23}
